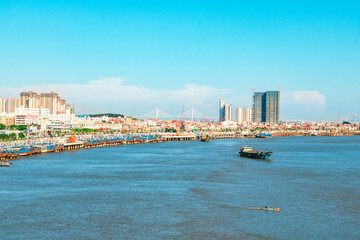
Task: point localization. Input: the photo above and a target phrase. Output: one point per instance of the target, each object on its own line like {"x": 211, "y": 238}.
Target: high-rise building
{"x": 259, "y": 107}
{"x": 272, "y": 107}
{"x": 244, "y": 115}
{"x": 228, "y": 112}
{"x": 225, "y": 111}
{"x": 29, "y": 100}
{"x": 266, "y": 107}
{"x": 221, "y": 110}
{"x": 10, "y": 104}
{"x": 53, "y": 102}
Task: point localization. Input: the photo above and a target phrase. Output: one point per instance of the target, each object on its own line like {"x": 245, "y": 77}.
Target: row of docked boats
{"x": 27, "y": 150}
{"x": 93, "y": 142}
{"x": 32, "y": 148}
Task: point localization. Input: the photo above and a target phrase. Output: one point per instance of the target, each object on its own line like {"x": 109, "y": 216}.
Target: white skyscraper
{"x": 243, "y": 115}
{"x": 228, "y": 112}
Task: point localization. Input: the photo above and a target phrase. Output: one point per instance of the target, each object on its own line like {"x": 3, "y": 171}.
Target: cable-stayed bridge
{"x": 191, "y": 114}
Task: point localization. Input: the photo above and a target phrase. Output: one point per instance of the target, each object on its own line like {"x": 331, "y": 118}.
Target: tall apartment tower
{"x": 221, "y": 110}
{"x": 29, "y": 100}
{"x": 228, "y": 112}
{"x": 244, "y": 115}
{"x": 9, "y": 104}
{"x": 53, "y": 102}
{"x": 266, "y": 107}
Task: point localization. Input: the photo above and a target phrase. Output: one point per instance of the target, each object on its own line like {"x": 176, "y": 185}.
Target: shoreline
{"x": 76, "y": 142}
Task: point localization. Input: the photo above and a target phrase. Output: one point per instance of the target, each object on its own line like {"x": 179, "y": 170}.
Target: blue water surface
{"x": 186, "y": 190}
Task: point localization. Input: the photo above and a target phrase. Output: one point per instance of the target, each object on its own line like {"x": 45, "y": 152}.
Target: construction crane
{"x": 252, "y": 90}
{"x": 84, "y": 109}
{"x": 278, "y": 88}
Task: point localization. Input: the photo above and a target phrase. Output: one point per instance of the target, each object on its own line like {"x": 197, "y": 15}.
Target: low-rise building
{"x": 7, "y": 120}
{"x": 26, "y": 119}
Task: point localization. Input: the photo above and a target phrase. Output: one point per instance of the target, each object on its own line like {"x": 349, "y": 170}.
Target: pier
{"x": 73, "y": 146}
{"x": 181, "y": 138}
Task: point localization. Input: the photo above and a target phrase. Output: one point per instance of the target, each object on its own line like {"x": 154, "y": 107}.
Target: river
{"x": 186, "y": 190}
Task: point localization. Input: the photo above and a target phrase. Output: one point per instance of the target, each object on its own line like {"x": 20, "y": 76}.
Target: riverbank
{"x": 26, "y": 148}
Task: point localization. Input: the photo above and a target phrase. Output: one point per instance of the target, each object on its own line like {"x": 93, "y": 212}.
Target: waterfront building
{"x": 272, "y": 107}
{"x": 228, "y": 112}
{"x": 221, "y": 110}
{"x": 244, "y": 115}
{"x": 266, "y": 107}
{"x": 225, "y": 111}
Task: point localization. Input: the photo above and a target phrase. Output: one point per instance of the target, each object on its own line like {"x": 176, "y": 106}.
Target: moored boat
{"x": 264, "y": 135}
{"x": 205, "y": 139}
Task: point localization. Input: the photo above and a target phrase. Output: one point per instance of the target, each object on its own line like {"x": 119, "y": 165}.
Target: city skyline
{"x": 130, "y": 57}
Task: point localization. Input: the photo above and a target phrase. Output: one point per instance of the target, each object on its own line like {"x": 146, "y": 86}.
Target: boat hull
{"x": 256, "y": 155}
{"x": 266, "y": 209}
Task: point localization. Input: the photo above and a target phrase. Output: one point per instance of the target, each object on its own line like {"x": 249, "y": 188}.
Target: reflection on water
{"x": 187, "y": 190}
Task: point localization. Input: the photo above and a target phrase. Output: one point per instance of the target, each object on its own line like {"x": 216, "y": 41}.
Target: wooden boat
{"x": 266, "y": 209}
{"x": 248, "y": 152}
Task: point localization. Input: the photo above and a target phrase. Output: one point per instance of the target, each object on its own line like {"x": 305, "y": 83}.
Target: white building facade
{"x": 243, "y": 115}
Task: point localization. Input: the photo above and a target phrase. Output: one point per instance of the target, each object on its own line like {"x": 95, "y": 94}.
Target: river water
{"x": 186, "y": 190}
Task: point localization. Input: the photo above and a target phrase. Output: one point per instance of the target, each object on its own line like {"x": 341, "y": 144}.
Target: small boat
{"x": 248, "y": 152}
{"x": 263, "y": 135}
{"x": 5, "y": 164}
{"x": 266, "y": 209}
{"x": 205, "y": 139}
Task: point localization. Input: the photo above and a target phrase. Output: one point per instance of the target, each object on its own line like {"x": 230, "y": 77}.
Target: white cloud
{"x": 306, "y": 99}
{"x": 113, "y": 95}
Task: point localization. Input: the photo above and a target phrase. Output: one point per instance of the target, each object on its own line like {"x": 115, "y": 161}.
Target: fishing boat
{"x": 248, "y": 152}
{"x": 266, "y": 209}
{"x": 263, "y": 135}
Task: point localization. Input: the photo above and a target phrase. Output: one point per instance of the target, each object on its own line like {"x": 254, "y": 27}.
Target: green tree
{"x": 21, "y": 135}
{"x": 4, "y": 136}
{"x": 12, "y": 136}
{"x": 2, "y": 126}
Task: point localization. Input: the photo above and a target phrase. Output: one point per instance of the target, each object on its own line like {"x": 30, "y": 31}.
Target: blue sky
{"x": 131, "y": 56}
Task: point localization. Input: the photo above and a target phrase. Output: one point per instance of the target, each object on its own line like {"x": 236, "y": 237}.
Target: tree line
{"x": 12, "y": 136}
{"x": 13, "y": 127}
